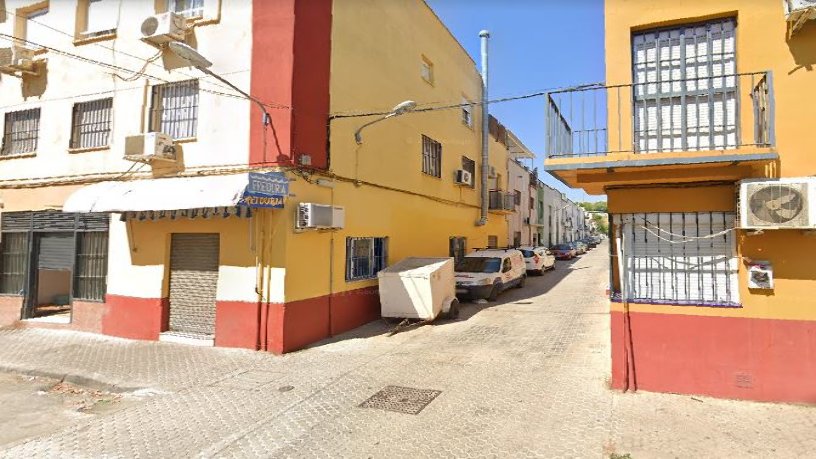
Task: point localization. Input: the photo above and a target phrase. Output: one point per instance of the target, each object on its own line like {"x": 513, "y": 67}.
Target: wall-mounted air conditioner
{"x": 463, "y": 177}
{"x": 778, "y": 204}
{"x": 163, "y": 28}
{"x": 798, "y": 12}
{"x": 149, "y": 147}
{"x": 17, "y": 59}
{"x": 319, "y": 216}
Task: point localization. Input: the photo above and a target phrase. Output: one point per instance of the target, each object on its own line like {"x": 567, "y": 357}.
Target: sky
{"x": 534, "y": 45}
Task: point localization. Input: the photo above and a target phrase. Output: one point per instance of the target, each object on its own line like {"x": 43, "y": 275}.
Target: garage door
{"x": 193, "y": 281}
{"x": 56, "y": 251}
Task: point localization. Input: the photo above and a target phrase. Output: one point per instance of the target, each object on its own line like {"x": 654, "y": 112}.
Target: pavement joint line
{"x": 72, "y": 378}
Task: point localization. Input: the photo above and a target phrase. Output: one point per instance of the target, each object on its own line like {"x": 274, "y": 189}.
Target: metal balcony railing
{"x": 692, "y": 114}
{"x": 502, "y": 201}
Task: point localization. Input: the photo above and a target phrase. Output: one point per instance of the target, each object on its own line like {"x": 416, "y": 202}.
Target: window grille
{"x": 492, "y": 242}
{"x": 467, "y": 113}
{"x": 365, "y": 257}
{"x": 457, "y": 247}
{"x": 431, "y": 157}
{"x": 91, "y": 124}
{"x": 686, "y": 258}
{"x": 21, "y": 132}
{"x": 517, "y": 198}
{"x": 91, "y": 268}
{"x": 470, "y": 166}
{"x": 174, "y": 109}
{"x": 188, "y": 8}
{"x": 13, "y": 262}
{"x": 685, "y": 88}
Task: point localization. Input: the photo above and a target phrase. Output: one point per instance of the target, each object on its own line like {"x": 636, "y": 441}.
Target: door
{"x": 193, "y": 282}
{"x": 51, "y": 275}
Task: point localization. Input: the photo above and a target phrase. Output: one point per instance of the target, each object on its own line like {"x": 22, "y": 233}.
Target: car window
{"x": 527, "y": 253}
{"x": 507, "y": 265}
{"x": 478, "y": 265}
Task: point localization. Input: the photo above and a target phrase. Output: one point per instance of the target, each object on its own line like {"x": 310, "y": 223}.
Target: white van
{"x": 484, "y": 274}
{"x": 538, "y": 259}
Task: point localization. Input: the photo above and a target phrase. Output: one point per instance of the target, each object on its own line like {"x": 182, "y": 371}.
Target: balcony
{"x": 502, "y": 202}
{"x": 680, "y": 130}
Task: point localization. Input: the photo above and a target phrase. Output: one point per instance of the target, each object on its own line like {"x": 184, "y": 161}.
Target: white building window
{"x": 365, "y": 257}
{"x": 21, "y": 132}
{"x": 174, "y": 109}
{"x": 467, "y": 113}
{"x": 91, "y": 124}
{"x": 101, "y": 17}
{"x": 681, "y": 258}
{"x": 187, "y": 8}
{"x": 38, "y": 30}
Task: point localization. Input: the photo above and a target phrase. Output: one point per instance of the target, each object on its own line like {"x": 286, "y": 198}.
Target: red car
{"x": 564, "y": 252}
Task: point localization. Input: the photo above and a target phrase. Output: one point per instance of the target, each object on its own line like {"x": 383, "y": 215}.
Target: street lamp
{"x": 198, "y": 61}
{"x": 399, "y": 109}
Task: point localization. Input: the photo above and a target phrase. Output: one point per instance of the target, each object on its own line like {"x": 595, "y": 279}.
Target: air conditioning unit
{"x": 778, "y": 204}
{"x": 797, "y": 12}
{"x": 17, "y": 59}
{"x": 149, "y": 147}
{"x": 319, "y": 216}
{"x": 463, "y": 177}
{"x": 163, "y": 28}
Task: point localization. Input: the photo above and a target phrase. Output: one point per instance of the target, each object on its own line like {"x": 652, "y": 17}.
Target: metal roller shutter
{"x": 193, "y": 281}
{"x": 56, "y": 251}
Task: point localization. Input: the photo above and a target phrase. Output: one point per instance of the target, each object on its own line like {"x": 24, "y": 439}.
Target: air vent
{"x": 777, "y": 204}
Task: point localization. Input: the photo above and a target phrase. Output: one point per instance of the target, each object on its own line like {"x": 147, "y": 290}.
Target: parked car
{"x": 537, "y": 259}
{"x": 580, "y": 247}
{"x": 484, "y": 274}
{"x": 564, "y": 252}
{"x": 590, "y": 242}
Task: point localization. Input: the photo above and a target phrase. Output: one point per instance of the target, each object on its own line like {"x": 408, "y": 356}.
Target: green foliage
{"x": 600, "y": 223}
{"x": 594, "y": 206}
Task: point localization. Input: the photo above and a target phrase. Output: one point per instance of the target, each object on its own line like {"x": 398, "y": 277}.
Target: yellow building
{"x": 701, "y": 97}
{"x": 169, "y": 248}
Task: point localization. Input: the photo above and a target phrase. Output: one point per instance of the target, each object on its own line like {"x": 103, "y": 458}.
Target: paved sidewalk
{"x": 523, "y": 377}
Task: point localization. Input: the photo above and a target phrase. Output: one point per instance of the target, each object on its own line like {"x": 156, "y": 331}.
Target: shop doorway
{"x": 194, "y": 260}
{"x": 51, "y": 277}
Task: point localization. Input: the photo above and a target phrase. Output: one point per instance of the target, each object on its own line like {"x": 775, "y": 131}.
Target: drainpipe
{"x": 484, "y": 34}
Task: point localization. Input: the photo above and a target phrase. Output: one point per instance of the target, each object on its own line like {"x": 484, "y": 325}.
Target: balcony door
{"x": 685, "y": 88}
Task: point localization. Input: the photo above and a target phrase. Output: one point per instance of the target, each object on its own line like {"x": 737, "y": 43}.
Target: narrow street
{"x": 523, "y": 377}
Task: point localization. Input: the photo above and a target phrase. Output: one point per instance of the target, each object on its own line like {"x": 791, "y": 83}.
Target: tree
{"x": 599, "y": 206}
{"x": 600, "y": 224}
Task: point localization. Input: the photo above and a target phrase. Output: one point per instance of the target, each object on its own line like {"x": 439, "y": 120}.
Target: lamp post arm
{"x": 358, "y": 138}
{"x": 266, "y": 117}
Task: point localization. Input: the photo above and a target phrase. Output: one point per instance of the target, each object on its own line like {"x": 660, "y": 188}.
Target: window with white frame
{"x": 38, "y": 28}
{"x": 174, "y": 109}
{"x": 187, "y": 8}
{"x": 681, "y": 258}
{"x": 431, "y": 157}
{"x": 91, "y": 124}
{"x": 365, "y": 257}
{"x": 20, "y": 132}
{"x": 685, "y": 87}
{"x": 467, "y": 113}
{"x": 101, "y": 17}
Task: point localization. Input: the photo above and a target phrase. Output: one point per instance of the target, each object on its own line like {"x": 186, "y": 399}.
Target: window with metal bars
{"x": 457, "y": 247}
{"x": 685, "y": 89}
{"x": 187, "y": 8}
{"x": 91, "y": 269}
{"x": 13, "y": 263}
{"x": 431, "y": 157}
{"x": 685, "y": 258}
{"x": 467, "y": 113}
{"x": 517, "y": 198}
{"x": 174, "y": 109}
{"x": 365, "y": 257}
{"x": 21, "y": 132}
{"x": 492, "y": 242}
{"x": 91, "y": 125}
{"x": 470, "y": 166}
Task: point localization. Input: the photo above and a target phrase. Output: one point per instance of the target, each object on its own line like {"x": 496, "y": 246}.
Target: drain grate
{"x": 399, "y": 399}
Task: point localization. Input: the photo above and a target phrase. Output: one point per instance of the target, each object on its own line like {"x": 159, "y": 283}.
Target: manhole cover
{"x": 407, "y": 400}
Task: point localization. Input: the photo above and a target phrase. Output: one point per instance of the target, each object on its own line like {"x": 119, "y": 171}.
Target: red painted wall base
{"x": 739, "y": 358}
{"x": 136, "y": 318}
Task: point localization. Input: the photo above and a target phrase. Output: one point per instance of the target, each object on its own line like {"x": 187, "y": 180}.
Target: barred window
{"x": 467, "y": 113}
{"x": 90, "y": 282}
{"x": 21, "y": 132}
{"x": 187, "y": 8}
{"x": 365, "y": 257}
{"x": 517, "y": 198}
{"x": 13, "y": 262}
{"x": 174, "y": 109}
{"x": 683, "y": 258}
{"x": 431, "y": 157}
{"x": 492, "y": 242}
{"x": 470, "y": 166}
{"x": 457, "y": 247}
{"x": 91, "y": 125}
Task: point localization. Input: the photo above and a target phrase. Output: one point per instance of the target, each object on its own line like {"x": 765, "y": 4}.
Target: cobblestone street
{"x": 523, "y": 377}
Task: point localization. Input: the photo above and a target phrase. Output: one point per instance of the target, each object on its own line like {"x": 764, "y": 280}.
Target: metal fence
{"x": 720, "y": 112}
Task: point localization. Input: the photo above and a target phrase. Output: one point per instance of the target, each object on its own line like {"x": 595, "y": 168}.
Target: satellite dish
{"x": 776, "y": 204}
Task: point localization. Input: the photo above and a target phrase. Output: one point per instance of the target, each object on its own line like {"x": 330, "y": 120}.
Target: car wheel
{"x": 494, "y": 293}
{"x": 453, "y": 309}
{"x": 521, "y": 281}
{"x": 540, "y": 272}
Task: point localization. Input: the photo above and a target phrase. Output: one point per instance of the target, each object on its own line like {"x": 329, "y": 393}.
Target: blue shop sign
{"x": 265, "y": 190}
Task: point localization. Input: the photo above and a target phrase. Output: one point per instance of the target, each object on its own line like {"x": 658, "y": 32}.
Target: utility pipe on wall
{"x": 485, "y": 35}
